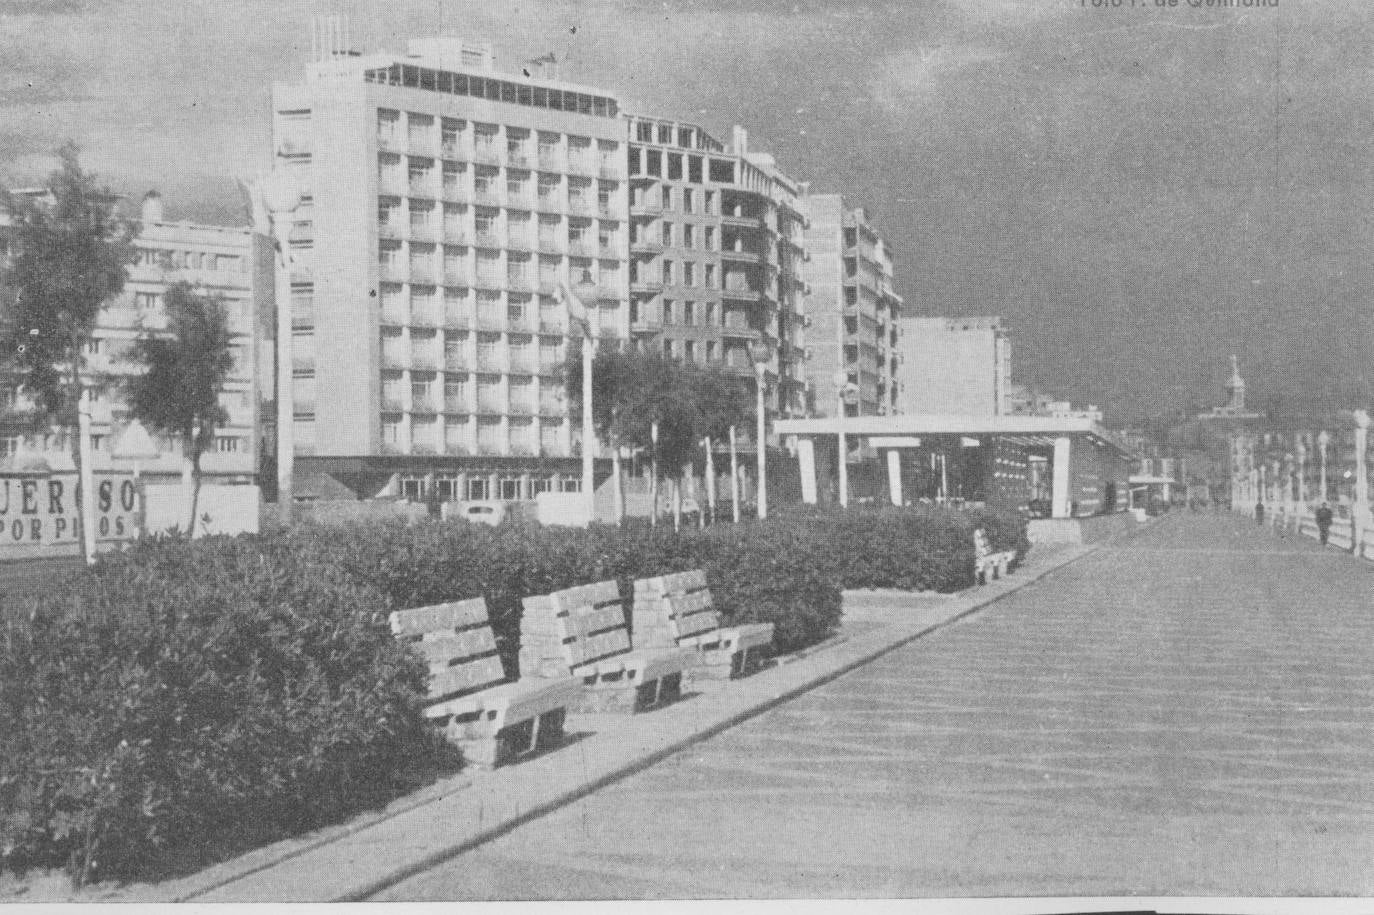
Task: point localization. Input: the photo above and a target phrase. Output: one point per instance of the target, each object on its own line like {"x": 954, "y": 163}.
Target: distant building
{"x": 954, "y": 366}
{"x": 853, "y": 314}
{"x": 229, "y": 263}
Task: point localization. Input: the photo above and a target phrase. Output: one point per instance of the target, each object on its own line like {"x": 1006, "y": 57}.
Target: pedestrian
{"x": 1324, "y": 522}
{"x": 1259, "y": 512}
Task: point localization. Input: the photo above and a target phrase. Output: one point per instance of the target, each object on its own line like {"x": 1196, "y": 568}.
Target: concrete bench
{"x": 678, "y": 611}
{"x": 988, "y": 565}
{"x": 581, "y": 632}
{"x": 492, "y": 720}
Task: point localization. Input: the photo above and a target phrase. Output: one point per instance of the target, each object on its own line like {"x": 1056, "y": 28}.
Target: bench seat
{"x": 678, "y": 611}
{"x": 492, "y": 720}
{"x": 988, "y": 564}
{"x": 581, "y": 632}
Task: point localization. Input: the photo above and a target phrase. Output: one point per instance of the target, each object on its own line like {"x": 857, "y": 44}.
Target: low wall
{"x": 345, "y": 512}
{"x": 219, "y": 510}
{"x": 1080, "y": 530}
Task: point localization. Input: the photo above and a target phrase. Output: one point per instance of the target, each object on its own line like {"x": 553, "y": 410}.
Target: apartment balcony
{"x": 646, "y": 287}
{"x": 743, "y": 222}
{"x": 608, "y": 252}
{"x": 519, "y": 201}
{"x": 394, "y": 316}
{"x": 646, "y": 247}
{"x": 523, "y": 408}
{"x": 393, "y": 273}
{"x": 548, "y": 286}
{"x": 392, "y": 186}
{"x": 741, "y": 294}
{"x": 424, "y": 188}
{"x": 581, "y": 249}
{"x": 486, "y": 153}
{"x": 520, "y": 243}
{"x": 583, "y": 165}
{"x": 519, "y": 159}
{"x": 391, "y": 230}
{"x": 456, "y": 410}
{"x": 550, "y": 369}
{"x": 491, "y": 405}
{"x": 454, "y": 151}
{"x": 492, "y": 322}
{"x": 457, "y": 278}
{"x": 457, "y": 193}
{"x": 423, "y": 405}
{"x": 457, "y": 363}
{"x": 554, "y": 326}
{"x": 487, "y": 240}
{"x": 550, "y": 161}
{"x": 487, "y": 198}
{"x": 390, "y": 142}
{"x": 424, "y": 319}
{"x": 423, "y": 232}
{"x": 303, "y": 362}
{"x": 394, "y": 360}
{"x": 646, "y": 325}
{"x": 457, "y": 320}
{"x": 490, "y": 364}
{"x": 607, "y": 211}
{"x": 393, "y": 448}
{"x": 581, "y": 207}
{"x": 422, "y": 273}
{"x": 647, "y": 208}
{"x": 742, "y": 257}
{"x": 526, "y": 366}
{"x": 423, "y": 361}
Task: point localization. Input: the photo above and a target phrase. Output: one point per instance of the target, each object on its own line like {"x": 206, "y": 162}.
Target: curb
{"x": 354, "y": 861}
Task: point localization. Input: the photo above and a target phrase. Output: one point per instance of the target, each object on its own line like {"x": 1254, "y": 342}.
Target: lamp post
{"x": 577, "y": 313}
{"x": 281, "y": 195}
{"x": 760, "y": 353}
{"x": 1323, "y": 440}
{"x": 1300, "y": 449}
{"x": 843, "y": 392}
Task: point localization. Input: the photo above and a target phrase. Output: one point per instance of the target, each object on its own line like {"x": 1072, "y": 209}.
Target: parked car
{"x": 483, "y": 512}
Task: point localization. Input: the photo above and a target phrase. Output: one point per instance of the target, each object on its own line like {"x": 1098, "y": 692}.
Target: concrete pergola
{"x": 1062, "y": 437}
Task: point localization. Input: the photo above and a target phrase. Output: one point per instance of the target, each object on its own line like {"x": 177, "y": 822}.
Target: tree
{"x": 185, "y": 370}
{"x": 71, "y": 249}
{"x": 632, "y": 392}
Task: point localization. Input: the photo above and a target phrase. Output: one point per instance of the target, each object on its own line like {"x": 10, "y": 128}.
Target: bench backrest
{"x": 980, "y": 544}
{"x": 562, "y": 631}
{"x": 669, "y": 608}
{"x": 457, "y": 641}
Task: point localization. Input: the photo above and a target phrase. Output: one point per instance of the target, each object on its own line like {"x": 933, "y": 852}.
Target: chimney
{"x": 152, "y": 208}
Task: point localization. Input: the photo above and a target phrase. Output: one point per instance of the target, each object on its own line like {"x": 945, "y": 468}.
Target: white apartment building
{"x": 228, "y": 263}
{"x": 442, "y": 204}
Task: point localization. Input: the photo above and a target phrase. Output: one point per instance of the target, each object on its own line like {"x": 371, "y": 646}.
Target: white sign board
{"x": 38, "y": 512}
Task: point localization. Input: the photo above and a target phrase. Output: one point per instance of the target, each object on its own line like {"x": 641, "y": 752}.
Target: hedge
{"x": 181, "y": 702}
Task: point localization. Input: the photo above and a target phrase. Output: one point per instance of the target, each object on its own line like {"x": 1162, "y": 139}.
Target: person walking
{"x": 1259, "y": 512}
{"x": 1324, "y": 522}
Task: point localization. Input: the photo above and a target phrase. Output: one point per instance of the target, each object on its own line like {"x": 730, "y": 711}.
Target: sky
{"x": 1140, "y": 191}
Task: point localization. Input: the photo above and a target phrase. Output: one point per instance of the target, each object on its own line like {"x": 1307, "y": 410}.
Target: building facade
{"x": 954, "y": 366}
{"x": 230, "y": 264}
{"x": 442, "y": 205}
{"x": 853, "y": 313}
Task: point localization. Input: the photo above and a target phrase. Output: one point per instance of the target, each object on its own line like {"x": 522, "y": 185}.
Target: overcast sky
{"x": 1139, "y": 191}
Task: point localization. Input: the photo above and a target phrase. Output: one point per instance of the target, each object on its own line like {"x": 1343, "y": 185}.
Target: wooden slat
{"x": 455, "y": 615}
{"x": 462, "y": 678}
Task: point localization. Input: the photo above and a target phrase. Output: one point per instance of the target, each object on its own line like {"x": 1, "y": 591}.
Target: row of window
{"x": 488, "y": 486}
{"x": 679, "y": 199}
{"x": 190, "y": 260}
{"x": 492, "y": 89}
{"x": 60, "y": 442}
{"x": 654, "y": 163}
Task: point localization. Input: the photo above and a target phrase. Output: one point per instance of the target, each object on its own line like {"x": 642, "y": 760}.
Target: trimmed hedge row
{"x": 183, "y": 701}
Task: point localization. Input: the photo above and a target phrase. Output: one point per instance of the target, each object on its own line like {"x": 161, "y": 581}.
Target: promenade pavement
{"x": 1189, "y": 711}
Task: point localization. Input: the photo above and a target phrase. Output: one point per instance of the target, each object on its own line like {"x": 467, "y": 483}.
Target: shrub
{"x": 199, "y": 698}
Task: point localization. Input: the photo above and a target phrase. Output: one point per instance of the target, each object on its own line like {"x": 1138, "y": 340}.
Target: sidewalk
{"x": 353, "y": 861}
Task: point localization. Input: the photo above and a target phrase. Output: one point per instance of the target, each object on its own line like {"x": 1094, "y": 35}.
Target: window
{"x": 227, "y": 444}
{"x": 97, "y": 443}
{"x": 667, "y": 198}
{"x": 689, "y": 236}
{"x": 674, "y": 166}
{"x": 689, "y": 312}
{"x": 689, "y": 274}
{"x": 708, "y": 234}
{"x": 710, "y": 276}
{"x": 694, "y": 169}
{"x": 479, "y": 488}
{"x": 710, "y": 351}
{"x": 667, "y": 233}
{"x": 667, "y": 273}
{"x": 95, "y": 347}
{"x": 687, "y": 200}
{"x": 689, "y": 351}
{"x": 654, "y": 158}
{"x": 146, "y": 301}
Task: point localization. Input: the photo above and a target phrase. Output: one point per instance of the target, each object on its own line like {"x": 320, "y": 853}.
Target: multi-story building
{"x": 853, "y": 312}
{"x": 954, "y": 366}
{"x": 715, "y": 255}
{"x": 442, "y": 204}
{"x": 230, "y": 264}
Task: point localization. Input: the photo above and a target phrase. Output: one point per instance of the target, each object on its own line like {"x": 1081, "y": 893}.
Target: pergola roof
{"x": 1021, "y": 430}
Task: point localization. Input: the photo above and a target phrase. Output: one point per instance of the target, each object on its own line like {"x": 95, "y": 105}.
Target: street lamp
{"x": 843, "y": 392}
{"x": 1323, "y": 440}
{"x": 578, "y": 314}
{"x": 281, "y": 195}
{"x": 761, "y": 353}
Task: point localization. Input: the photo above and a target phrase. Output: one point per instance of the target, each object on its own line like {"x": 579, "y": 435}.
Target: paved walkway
{"x": 1189, "y": 712}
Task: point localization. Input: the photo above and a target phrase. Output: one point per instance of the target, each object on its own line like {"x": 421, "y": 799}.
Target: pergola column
{"x": 1060, "y": 506}
{"x": 894, "y": 476}
{"x": 806, "y": 464}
